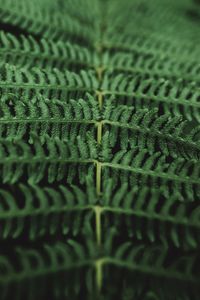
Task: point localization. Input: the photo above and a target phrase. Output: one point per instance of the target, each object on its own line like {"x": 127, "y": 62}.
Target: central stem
{"x": 99, "y": 69}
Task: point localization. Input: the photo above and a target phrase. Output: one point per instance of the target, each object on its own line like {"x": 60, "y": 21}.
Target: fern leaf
{"x": 99, "y": 150}
{"x": 19, "y": 117}
{"x": 40, "y": 23}
{"x": 36, "y": 158}
{"x": 154, "y": 214}
{"x": 177, "y": 98}
{"x": 27, "y": 52}
{"x": 59, "y": 207}
{"x": 61, "y": 262}
{"x": 146, "y": 129}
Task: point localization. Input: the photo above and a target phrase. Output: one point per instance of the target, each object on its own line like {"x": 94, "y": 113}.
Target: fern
{"x": 99, "y": 150}
{"x": 66, "y": 207}
{"x": 149, "y": 65}
{"x": 55, "y": 84}
{"x": 27, "y": 52}
{"x": 43, "y": 158}
{"x": 147, "y": 129}
{"x": 178, "y": 99}
{"x": 43, "y": 116}
{"x": 155, "y": 214}
{"x": 26, "y": 16}
{"x": 63, "y": 261}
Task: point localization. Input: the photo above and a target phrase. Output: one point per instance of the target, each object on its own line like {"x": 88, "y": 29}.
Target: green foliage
{"x": 25, "y": 51}
{"x": 162, "y": 215}
{"x": 64, "y": 119}
{"x": 63, "y": 208}
{"x": 36, "y": 18}
{"x": 54, "y": 261}
{"x": 38, "y": 159}
{"x": 147, "y": 129}
{"x": 99, "y": 150}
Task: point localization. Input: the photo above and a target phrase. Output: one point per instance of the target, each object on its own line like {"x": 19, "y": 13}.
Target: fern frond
{"x": 47, "y": 263}
{"x": 177, "y": 98}
{"x": 153, "y": 42}
{"x": 26, "y": 16}
{"x": 151, "y": 66}
{"x": 168, "y": 275}
{"x": 152, "y": 260}
{"x": 27, "y": 51}
{"x": 147, "y": 129}
{"x": 19, "y": 117}
{"x": 39, "y": 159}
{"x": 46, "y": 210}
{"x": 154, "y": 45}
{"x": 155, "y": 215}
{"x": 99, "y": 150}
{"x": 139, "y": 166}
{"x": 54, "y": 84}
